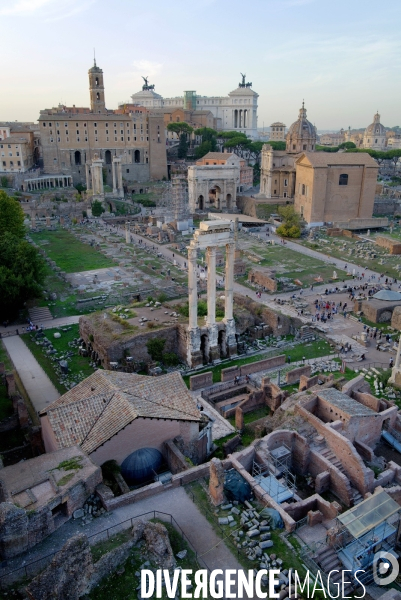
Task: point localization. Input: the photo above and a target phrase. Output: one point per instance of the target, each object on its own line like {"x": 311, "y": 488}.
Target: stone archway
{"x": 201, "y": 202}
{"x": 107, "y": 156}
{"x": 214, "y": 196}
{"x": 204, "y": 347}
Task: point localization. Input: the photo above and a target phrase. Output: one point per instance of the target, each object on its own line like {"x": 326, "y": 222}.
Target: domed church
{"x": 375, "y": 135}
{"x": 301, "y": 136}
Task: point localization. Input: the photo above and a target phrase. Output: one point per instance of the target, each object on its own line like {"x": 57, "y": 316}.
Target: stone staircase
{"x": 327, "y": 559}
{"x": 37, "y": 314}
{"x": 330, "y": 456}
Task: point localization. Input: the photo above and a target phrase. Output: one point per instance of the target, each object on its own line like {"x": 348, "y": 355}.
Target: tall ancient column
{"x": 88, "y": 177}
{"x": 231, "y": 340}
{"x": 113, "y": 170}
{"x": 194, "y": 355}
{"x": 211, "y": 285}
{"x": 192, "y": 288}
{"x": 229, "y": 285}
{"x": 120, "y": 179}
{"x": 97, "y": 176}
{"x": 127, "y": 233}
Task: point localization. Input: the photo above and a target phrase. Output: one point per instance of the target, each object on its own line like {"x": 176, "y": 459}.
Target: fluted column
{"x": 211, "y": 285}
{"x": 113, "y": 170}
{"x": 229, "y": 284}
{"x": 192, "y": 288}
{"x": 120, "y": 179}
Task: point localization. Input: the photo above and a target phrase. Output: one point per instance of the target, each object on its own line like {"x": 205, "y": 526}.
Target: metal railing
{"x": 34, "y": 567}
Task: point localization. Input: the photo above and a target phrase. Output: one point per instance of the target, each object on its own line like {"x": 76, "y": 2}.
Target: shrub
{"x": 155, "y": 348}
{"x": 170, "y": 359}
{"x": 162, "y": 297}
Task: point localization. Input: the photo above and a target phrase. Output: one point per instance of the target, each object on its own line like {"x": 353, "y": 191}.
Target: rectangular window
{"x": 95, "y": 131}
{"x": 107, "y": 132}
{"x": 65, "y": 124}
{"x": 4, "y": 163}
{"x": 128, "y": 138}
{"x": 66, "y": 133}
{"x": 17, "y": 153}
{"x": 58, "y": 131}
{"x": 58, "y": 139}
{"x": 127, "y": 171}
{"x": 115, "y": 139}
{"x": 51, "y": 139}
{"x": 95, "y": 139}
{"x": 86, "y": 139}
{"x": 107, "y": 124}
{"x": 122, "y": 131}
{"x": 114, "y": 124}
{"x": 77, "y": 131}
{"x": 107, "y": 139}
{"x": 77, "y": 139}
{"x": 19, "y": 163}
{"x": 122, "y": 138}
{"x": 95, "y": 124}
{"x": 76, "y": 125}
{"x": 115, "y": 132}
{"x": 57, "y": 125}
{"x": 50, "y": 124}
{"x": 343, "y": 180}
{"x": 44, "y": 124}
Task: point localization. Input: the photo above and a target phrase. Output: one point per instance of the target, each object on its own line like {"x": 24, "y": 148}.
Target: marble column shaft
{"x": 229, "y": 283}
{"x": 211, "y": 285}
{"x": 113, "y": 170}
{"x": 192, "y": 288}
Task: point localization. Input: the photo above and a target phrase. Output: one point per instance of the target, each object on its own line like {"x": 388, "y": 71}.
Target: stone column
{"x": 231, "y": 340}
{"x": 192, "y": 288}
{"x": 113, "y": 170}
{"x": 120, "y": 179}
{"x": 213, "y": 332}
{"x": 395, "y": 378}
{"x": 88, "y": 177}
{"x": 97, "y": 176}
{"x": 194, "y": 355}
{"x": 127, "y": 233}
{"x": 211, "y": 285}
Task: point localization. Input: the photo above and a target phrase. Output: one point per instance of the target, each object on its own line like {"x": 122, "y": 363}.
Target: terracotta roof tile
{"x": 100, "y": 406}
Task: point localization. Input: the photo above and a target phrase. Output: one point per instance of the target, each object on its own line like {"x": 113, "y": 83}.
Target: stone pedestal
{"x": 194, "y": 354}
{"x": 216, "y": 482}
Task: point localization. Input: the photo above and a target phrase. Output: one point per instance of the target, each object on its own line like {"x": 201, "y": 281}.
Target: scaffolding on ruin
{"x": 275, "y": 476}
{"x": 366, "y": 528}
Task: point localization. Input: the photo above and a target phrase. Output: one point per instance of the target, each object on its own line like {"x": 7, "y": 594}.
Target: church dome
{"x": 375, "y": 128}
{"x": 301, "y": 136}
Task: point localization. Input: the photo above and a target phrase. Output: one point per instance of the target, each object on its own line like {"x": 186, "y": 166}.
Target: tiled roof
{"x": 324, "y": 159}
{"x": 100, "y": 406}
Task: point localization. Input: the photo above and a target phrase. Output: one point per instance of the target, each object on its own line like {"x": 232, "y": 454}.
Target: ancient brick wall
{"x": 263, "y": 279}
{"x": 361, "y": 477}
{"x": 299, "y": 510}
{"x": 305, "y": 382}
{"x": 392, "y": 246}
{"x": 196, "y": 382}
{"x": 174, "y": 457}
{"x": 294, "y": 375}
{"x": 339, "y": 483}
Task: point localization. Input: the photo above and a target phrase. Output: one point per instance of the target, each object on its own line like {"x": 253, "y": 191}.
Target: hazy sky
{"x": 342, "y": 56}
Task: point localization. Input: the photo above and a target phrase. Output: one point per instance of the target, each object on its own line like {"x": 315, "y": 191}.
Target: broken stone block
{"x": 266, "y": 544}
{"x": 253, "y": 533}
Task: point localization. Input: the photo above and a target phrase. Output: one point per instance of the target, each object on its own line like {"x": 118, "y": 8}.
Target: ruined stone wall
{"x": 361, "y": 477}
{"x": 338, "y": 482}
{"x": 174, "y": 457}
{"x": 279, "y": 323}
{"x": 378, "y": 311}
{"x": 230, "y": 373}
{"x": 392, "y": 246}
{"x": 196, "y": 382}
{"x": 294, "y": 375}
{"x": 299, "y": 510}
{"x": 263, "y": 279}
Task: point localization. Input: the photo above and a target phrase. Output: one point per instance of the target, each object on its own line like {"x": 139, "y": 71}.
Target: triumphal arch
{"x": 213, "y": 340}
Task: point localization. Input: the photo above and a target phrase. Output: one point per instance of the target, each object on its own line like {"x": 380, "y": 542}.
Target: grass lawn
{"x": 253, "y": 415}
{"x": 123, "y": 586}
{"x": 78, "y": 365}
{"x": 70, "y": 254}
{"x": 294, "y": 265}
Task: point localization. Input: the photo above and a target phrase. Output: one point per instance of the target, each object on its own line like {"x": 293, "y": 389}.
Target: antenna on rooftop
{"x": 94, "y": 57}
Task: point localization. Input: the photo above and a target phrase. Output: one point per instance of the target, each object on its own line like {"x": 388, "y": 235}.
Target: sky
{"x": 342, "y": 57}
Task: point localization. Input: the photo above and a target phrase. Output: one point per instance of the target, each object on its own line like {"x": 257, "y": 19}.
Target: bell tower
{"x": 96, "y": 89}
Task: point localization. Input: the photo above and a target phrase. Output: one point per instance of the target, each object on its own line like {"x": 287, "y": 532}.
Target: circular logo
{"x": 385, "y": 568}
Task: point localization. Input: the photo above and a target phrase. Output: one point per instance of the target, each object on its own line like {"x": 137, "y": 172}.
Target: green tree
{"x": 4, "y": 181}
{"x": 203, "y": 149}
{"x": 22, "y": 273}
{"x": 277, "y": 145}
{"x": 182, "y": 149}
{"x": 239, "y": 144}
{"x": 347, "y": 145}
{"x": 155, "y": 348}
{"x": 290, "y": 226}
{"x": 97, "y": 208}
{"x": 180, "y": 128}
{"x": 80, "y": 188}
{"x": 11, "y": 216}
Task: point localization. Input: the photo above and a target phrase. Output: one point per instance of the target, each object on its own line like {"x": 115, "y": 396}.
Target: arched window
{"x": 343, "y": 180}
{"x": 77, "y": 157}
{"x": 107, "y": 156}
{"x": 137, "y": 156}
{"x": 97, "y": 96}
{"x": 97, "y": 81}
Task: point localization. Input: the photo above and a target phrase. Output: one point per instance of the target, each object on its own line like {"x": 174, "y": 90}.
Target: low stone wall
{"x": 294, "y": 375}
{"x": 392, "y": 246}
{"x": 175, "y": 458}
{"x": 263, "y": 279}
{"x": 230, "y": 373}
{"x": 305, "y": 382}
{"x": 196, "y": 382}
{"x": 299, "y": 510}
{"x": 254, "y": 401}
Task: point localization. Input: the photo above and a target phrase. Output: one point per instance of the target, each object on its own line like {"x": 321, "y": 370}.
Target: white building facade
{"x": 236, "y": 111}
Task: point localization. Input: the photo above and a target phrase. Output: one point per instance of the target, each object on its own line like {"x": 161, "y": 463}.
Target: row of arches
{"x": 108, "y": 157}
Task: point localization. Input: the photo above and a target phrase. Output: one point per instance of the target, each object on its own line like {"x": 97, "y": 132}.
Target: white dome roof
{"x": 375, "y": 128}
